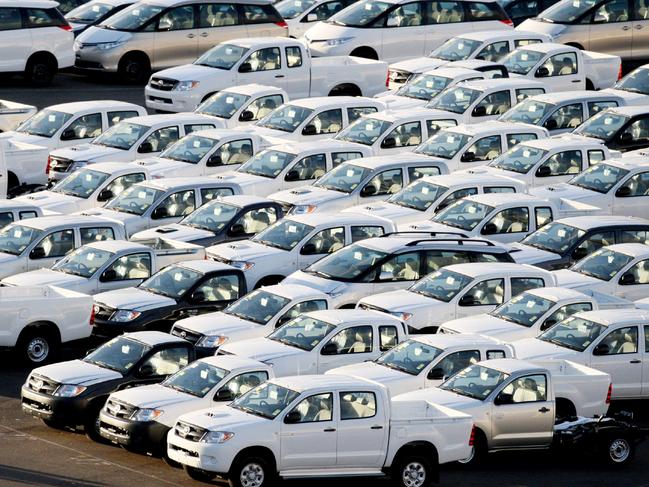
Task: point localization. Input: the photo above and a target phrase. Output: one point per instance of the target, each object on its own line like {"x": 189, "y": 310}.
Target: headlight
{"x": 339, "y": 41}
{"x": 122, "y": 315}
{"x": 402, "y": 316}
{"x": 212, "y": 341}
{"x": 69, "y": 390}
{"x": 217, "y": 437}
{"x": 243, "y": 265}
{"x": 186, "y": 85}
{"x": 146, "y": 414}
{"x": 105, "y": 46}
{"x": 302, "y": 209}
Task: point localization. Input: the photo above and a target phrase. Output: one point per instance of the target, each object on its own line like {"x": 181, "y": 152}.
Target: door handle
{"x": 376, "y": 427}
{"x": 544, "y": 410}
{"x": 191, "y": 36}
{"x": 626, "y": 27}
{"x": 635, "y": 361}
{"x": 279, "y": 76}
{"x": 576, "y": 81}
{"x": 329, "y": 430}
{"x": 204, "y": 34}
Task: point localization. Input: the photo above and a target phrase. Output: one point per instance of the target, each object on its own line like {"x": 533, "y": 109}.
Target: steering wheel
{"x": 461, "y": 218}
{"x": 518, "y": 67}
{"x": 121, "y": 141}
{"x": 597, "y": 181}
{"x": 263, "y": 403}
{"x": 13, "y": 246}
{"x": 133, "y": 205}
{"x": 407, "y": 360}
{"x": 472, "y": 385}
{"x": 521, "y": 312}
{"x": 285, "y": 123}
{"x": 188, "y": 154}
{"x": 83, "y": 267}
{"x": 210, "y": 221}
{"x": 527, "y": 118}
{"x": 570, "y": 335}
{"x": 299, "y": 335}
{"x": 364, "y": 137}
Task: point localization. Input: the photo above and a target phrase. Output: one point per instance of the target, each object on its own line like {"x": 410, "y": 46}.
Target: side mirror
{"x": 37, "y": 253}
{"x": 292, "y": 175}
{"x": 145, "y": 371}
{"x": 145, "y": 148}
{"x": 550, "y": 124}
{"x": 601, "y": 349}
{"x": 68, "y": 134}
{"x": 579, "y": 253}
{"x": 108, "y": 275}
{"x": 329, "y": 349}
{"x": 502, "y": 399}
{"x": 388, "y": 143}
{"x": 237, "y": 230}
{"x": 542, "y": 72}
{"x": 479, "y": 111}
{"x": 623, "y": 192}
{"x": 245, "y": 67}
{"x": 159, "y": 212}
{"x": 467, "y": 300}
{"x": 627, "y": 279}
{"x": 626, "y": 138}
{"x": 311, "y": 18}
{"x": 489, "y": 229}
{"x": 309, "y": 130}
{"x": 293, "y": 417}
{"x": 436, "y": 374}
{"x": 164, "y": 25}
{"x": 214, "y": 160}
{"x": 105, "y": 195}
{"x": 544, "y": 171}
{"x": 549, "y": 323}
{"x": 391, "y": 22}
{"x": 468, "y": 156}
{"x": 198, "y": 296}
{"x": 246, "y": 116}
{"x": 224, "y": 394}
{"x": 308, "y": 249}
{"x": 369, "y": 190}
{"x": 282, "y": 320}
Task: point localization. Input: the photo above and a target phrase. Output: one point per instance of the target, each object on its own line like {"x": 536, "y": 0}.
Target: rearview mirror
{"x": 549, "y": 323}
{"x": 311, "y": 18}
{"x": 623, "y": 192}
{"x": 308, "y": 249}
{"x": 626, "y": 138}
{"x": 436, "y": 374}
{"x": 329, "y": 349}
{"x": 145, "y": 147}
{"x": 489, "y": 229}
{"x": 246, "y": 116}
{"x": 579, "y": 253}
{"x": 224, "y": 394}
{"x": 214, "y": 160}
{"x": 550, "y": 124}
{"x": 105, "y": 195}
{"x": 467, "y": 300}
{"x": 601, "y": 349}
{"x": 198, "y": 296}
{"x": 292, "y": 175}
{"x": 245, "y": 67}
{"x": 108, "y": 275}
{"x": 145, "y": 371}
{"x": 37, "y": 253}
{"x": 309, "y": 130}
{"x": 369, "y": 190}
{"x": 503, "y": 398}
{"x": 468, "y": 156}
{"x": 388, "y": 143}
{"x": 159, "y": 212}
{"x": 479, "y": 111}
{"x": 68, "y": 134}
{"x": 237, "y": 230}
{"x": 627, "y": 279}
{"x": 542, "y": 72}
{"x": 544, "y": 171}
{"x": 293, "y": 417}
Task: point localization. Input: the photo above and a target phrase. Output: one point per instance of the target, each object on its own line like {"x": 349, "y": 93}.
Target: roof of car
{"x": 629, "y": 162}
{"x": 350, "y": 316}
{"x": 232, "y": 362}
{"x": 493, "y": 126}
{"x": 322, "y": 102}
{"x": 510, "y": 365}
{"x": 312, "y": 145}
{"x": 616, "y": 316}
{"x": 254, "y": 42}
{"x": 301, "y": 383}
{"x": 293, "y": 291}
{"x": 557, "y": 143}
{"x": 497, "y": 199}
{"x": 479, "y": 269}
{"x": 557, "y": 293}
{"x": 168, "y": 118}
{"x": 30, "y": 3}
{"x": 378, "y": 162}
{"x": 502, "y": 83}
{"x": 629, "y": 111}
{"x": 444, "y": 341}
{"x": 165, "y": 184}
{"x": 498, "y": 34}
{"x": 452, "y": 72}
{"x": 590, "y": 222}
{"x": 47, "y": 222}
{"x": 114, "y": 167}
{"x": 79, "y": 106}
{"x": 401, "y": 115}
{"x": 242, "y": 200}
{"x": 204, "y": 265}
{"x": 221, "y": 134}
{"x": 468, "y": 178}
{"x": 16, "y": 205}
{"x": 399, "y": 241}
{"x": 631, "y": 249}
{"x": 254, "y": 89}
{"x": 117, "y": 245}
{"x": 153, "y": 338}
{"x": 546, "y": 47}
{"x": 572, "y": 96}
{"x": 327, "y": 218}
{"x": 473, "y": 64}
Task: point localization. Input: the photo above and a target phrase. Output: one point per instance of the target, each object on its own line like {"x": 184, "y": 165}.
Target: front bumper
{"x": 204, "y": 456}
{"x": 171, "y": 101}
{"x": 70, "y": 411}
{"x": 146, "y": 436}
{"x": 111, "y": 329}
{"x": 94, "y": 59}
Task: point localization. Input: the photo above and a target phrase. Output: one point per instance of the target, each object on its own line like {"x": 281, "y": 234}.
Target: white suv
{"x": 35, "y": 39}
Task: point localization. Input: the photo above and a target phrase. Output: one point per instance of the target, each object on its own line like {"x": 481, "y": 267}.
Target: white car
{"x": 242, "y": 104}
{"x": 633, "y": 87}
{"x": 295, "y": 242}
{"x": 400, "y": 29}
{"x": 609, "y": 340}
{"x": 12, "y": 211}
{"x": 426, "y": 361}
{"x": 427, "y": 196}
{"x": 488, "y": 45}
{"x": 368, "y": 180}
{"x": 255, "y": 315}
{"x": 456, "y": 291}
{"x": 285, "y": 63}
{"x": 12, "y": 114}
{"x": 289, "y": 165}
{"x": 318, "y": 341}
{"x": 620, "y": 270}
{"x": 204, "y": 152}
{"x": 127, "y": 141}
{"x": 301, "y": 15}
{"x": 35, "y": 40}
{"x": 544, "y": 161}
{"x": 88, "y": 187}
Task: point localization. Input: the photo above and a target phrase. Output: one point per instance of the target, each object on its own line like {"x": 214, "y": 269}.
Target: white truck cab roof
{"x": 162, "y": 120}
{"x": 308, "y": 147}
{"x": 496, "y": 269}
{"x": 548, "y": 47}
{"x": 564, "y": 97}
{"x": 153, "y": 338}
{"x": 493, "y": 127}
{"x": 321, "y": 103}
{"x": 81, "y": 107}
{"x": 254, "y": 89}
{"x": 506, "y": 199}
{"x": 457, "y": 340}
{"x": 301, "y": 383}
{"x": 326, "y": 219}
{"x": 50, "y": 222}
{"x": 589, "y": 222}
{"x": 204, "y": 266}
{"x": 231, "y": 362}
{"x": 293, "y": 291}
{"x": 634, "y": 250}
{"x": 498, "y": 35}
{"x": 350, "y": 316}
{"x": 511, "y": 365}
{"x": 616, "y": 317}
{"x": 261, "y": 42}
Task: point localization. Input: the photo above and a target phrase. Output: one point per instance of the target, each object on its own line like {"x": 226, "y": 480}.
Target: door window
{"x": 456, "y": 195}
{"x": 356, "y": 339}
{"x": 613, "y": 11}
{"x": 219, "y": 288}
{"x": 208, "y": 194}
{"x": 328, "y": 122}
{"x": 10, "y": 19}
{"x": 217, "y": 15}
{"x": 434, "y": 126}
{"x": 521, "y": 10}
{"x": 634, "y": 236}
{"x": 515, "y": 139}
{"x": 594, "y": 242}
{"x": 340, "y": 157}
{"x": 310, "y": 167}
{"x": 258, "y": 219}
{"x": 168, "y": 361}
{"x": 260, "y": 14}
{"x": 357, "y": 405}
{"x": 315, "y": 408}
{"x": 402, "y": 267}
{"x": 24, "y": 215}
{"x": 408, "y": 15}
{"x": 493, "y": 51}
{"x": 454, "y": 362}
{"x": 498, "y": 189}
{"x": 620, "y": 341}
{"x": 566, "y": 117}
{"x": 6, "y": 217}
{"x": 304, "y": 307}
{"x": 293, "y": 57}
{"x": 133, "y": 266}
{"x": 236, "y": 152}
{"x": 263, "y": 106}
{"x": 525, "y": 42}
{"x": 489, "y": 292}
{"x": 326, "y": 241}
{"x": 563, "y": 64}
{"x": 387, "y": 182}
{"x": 354, "y": 113}
{"x": 637, "y": 185}
{"x": 405, "y": 135}
{"x": 84, "y": 127}
{"x": 436, "y": 259}
{"x": 178, "y": 18}
{"x": 639, "y": 131}
{"x": 267, "y": 59}
{"x": 326, "y": 10}
{"x": 640, "y": 273}
{"x": 121, "y": 183}
{"x": 387, "y": 337}
{"x": 40, "y": 17}
{"x": 597, "y": 106}
{"x": 89, "y": 235}
{"x": 543, "y": 216}
{"x": 439, "y": 12}
{"x": 484, "y": 11}
{"x": 177, "y": 204}
{"x": 366, "y": 231}
{"x": 522, "y": 284}
{"x": 494, "y": 104}
{"x": 242, "y": 383}
{"x": 116, "y": 117}
{"x": 595, "y": 156}
{"x": 195, "y": 127}
{"x": 415, "y": 173}
{"x": 564, "y": 312}
{"x": 531, "y": 388}
{"x": 485, "y": 149}
{"x": 57, "y": 244}
{"x": 560, "y": 164}
{"x": 523, "y": 93}
{"x": 161, "y": 138}
{"x": 495, "y": 354}
{"x": 511, "y": 220}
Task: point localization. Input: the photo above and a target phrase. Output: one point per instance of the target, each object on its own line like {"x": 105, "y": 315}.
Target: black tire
{"x": 198, "y": 474}
{"x": 478, "y": 451}
{"x": 251, "y": 471}
{"x": 40, "y": 70}
{"x": 134, "y": 68}
{"x": 91, "y": 424}
{"x": 413, "y": 471}
{"x": 53, "y": 424}
{"x": 37, "y": 345}
{"x": 589, "y": 85}
{"x": 618, "y": 451}
{"x": 171, "y": 463}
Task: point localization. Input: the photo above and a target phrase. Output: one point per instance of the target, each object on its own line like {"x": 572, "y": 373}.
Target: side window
{"x": 494, "y": 51}
{"x": 434, "y": 126}
{"x": 495, "y": 72}
{"x": 387, "y": 337}
{"x": 522, "y": 284}
{"x": 267, "y": 59}
{"x": 357, "y": 405}
{"x": 563, "y": 64}
{"x": 531, "y": 388}
{"x": 543, "y": 215}
{"x": 116, "y": 117}
{"x": 218, "y": 288}
{"x": 40, "y": 17}
{"x": 495, "y": 354}
{"x": 325, "y": 241}
{"x": 242, "y": 383}
{"x": 454, "y": 362}
{"x": 310, "y": 167}
{"x": 386, "y": 182}
{"x": 520, "y": 10}
{"x": 25, "y": 215}
{"x": 484, "y": 257}
{"x": 613, "y": 11}
{"x": 526, "y": 42}
{"x": 256, "y": 220}
{"x": 638, "y": 185}
{"x": 304, "y": 307}
{"x": 262, "y": 106}
{"x": 405, "y": 135}
{"x": 635, "y": 236}
{"x": 415, "y": 173}
{"x": 597, "y": 106}
{"x": 402, "y": 267}
{"x": 354, "y": 113}
{"x": 594, "y": 242}
{"x": 133, "y": 266}
{"x": 89, "y": 235}
{"x": 515, "y": 139}
{"x": 568, "y": 116}
{"x": 236, "y": 152}
{"x": 259, "y": 14}
{"x": 639, "y": 273}
{"x": 595, "y": 156}
{"x": 293, "y": 57}
{"x": 179, "y": 18}
{"x": 641, "y": 10}
{"x": 440, "y": 12}
{"x": 176, "y": 204}
{"x": 326, "y": 10}
{"x": 84, "y": 127}
{"x": 123, "y": 182}
{"x": 361, "y": 233}
{"x": 217, "y": 15}
{"x": 523, "y": 93}
{"x": 436, "y": 259}
{"x": 498, "y": 189}
{"x": 456, "y": 195}
{"x": 6, "y": 217}
{"x": 313, "y": 409}
{"x": 560, "y": 164}
{"x": 511, "y": 220}
{"x": 564, "y": 312}
{"x": 493, "y": 104}
{"x": 10, "y": 19}
{"x": 161, "y": 138}
{"x": 328, "y": 122}
{"x": 56, "y": 244}
{"x": 407, "y": 15}
{"x": 196, "y": 127}
{"x": 483, "y": 11}
{"x": 340, "y": 157}
{"x": 167, "y": 361}
{"x": 646, "y": 338}
{"x": 489, "y": 292}
{"x": 639, "y": 131}
{"x": 485, "y": 149}
{"x": 620, "y": 341}
{"x": 208, "y": 194}
{"x": 356, "y": 339}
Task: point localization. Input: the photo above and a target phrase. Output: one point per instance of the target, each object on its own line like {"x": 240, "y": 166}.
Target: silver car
{"x": 157, "y": 34}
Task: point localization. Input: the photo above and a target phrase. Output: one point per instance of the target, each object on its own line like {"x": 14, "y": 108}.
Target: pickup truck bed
{"x": 331, "y": 71}
{"x": 172, "y": 251}
{"x": 598, "y": 68}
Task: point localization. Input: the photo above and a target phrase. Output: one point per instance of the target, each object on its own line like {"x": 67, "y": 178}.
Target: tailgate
{"x": 170, "y": 251}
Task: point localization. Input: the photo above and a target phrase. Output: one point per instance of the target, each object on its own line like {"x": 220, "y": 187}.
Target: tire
{"x": 36, "y": 346}
{"x": 91, "y": 425}
{"x": 413, "y": 471}
{"x": 134, "y": 68}
{"x": 478, "y": 451}
{"x": 198, "y": 474}
{"x": 53, "y": 424}
{"x": 251, "y": 471}
{"x": 40, "y": 70}
{"x": 618, "y": 451}
{"x": 171, "y": 463}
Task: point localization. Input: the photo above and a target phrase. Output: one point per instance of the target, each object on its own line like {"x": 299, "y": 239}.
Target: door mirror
{"x": 198, "y": 296}
{"x": 479, "y": 111}
{"x": 467, "y": 300}
{"x": 293, "y": 417}
{"x": 550, "y": 124}
{"x": 542, "y": 72}
{"x": 245, "y": 67}
{"x": 68, "y": 134}
{"x": 145, "y": 148}
{"x": 164, "y": 25}
{"x": 579, "y": 253}
{"x": 224, "y": 394}
{"x": 311, "y": 18}
{"x": 108, "y": 275}
{"x": 246, "y": 116}
{"x": 436, "y": 374}
{"x": 392, "y": 22}
{"x": 601, "y": 349}
{"x": 160, "y": 212}
{"x": 623, "y": 192}
{"x": 369, "y": 190}
{"x": 308, "y": 249}
{"x": 626, "y": 138}
{"x": 292, "y": 175}
{"x": 468, "y": 156}
{"x": 282, "y": 320}
{"x": 105, "y": 195}
{"x": 214, "y": 160}
{"x": 309, "y": 130}
{"x": 627, "y": 279}
{"x": 329, "y": 349}
{"x": 503, "y": 399}
{"x": 544, "y": 172}
{"x": 37, "y": 253}
{"x": 145, "y": 371}
{"x": 388, "y": 143}
{"x": 489, "y": 229}
{"x": 550, "y": 322}
{"x": 237, "y": 230}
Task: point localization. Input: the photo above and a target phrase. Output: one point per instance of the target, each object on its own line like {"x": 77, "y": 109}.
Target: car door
{"x": 176, "y": 37}
{"x": 522, "y": 413}
{"x": 561, "y": 72}
{"x": 508, "y": 225}
{"x": 632, "y": 196}
{"x": 51, "y": 248}
{"x": 404, "y": 137}
{"x": 397, "y": 272}
{"x": 481, "y": 297}
{"x": 350, "y": 345}
{"x": 559, "y": 167}
{"x": 264, "y": 66}
{"x": 565, "y": 118}
{"x": 618, "y": 354}
{"x": 81, "y": 129}
{"x": 635, "y": 135}
{"x": 402, "y": 24}
{"x": 633, "y": 282}
{"x": 381, "y": 186}
{"x": 304, "y": 171}
{"x": 15, "y": 42}
{"x": 449, "y": 365}
{"x": 491, "y": 106}
{"x": 251, "y": 221}
{"x": 218, "y": 22}
{"x": 640, "y": 48}
{"x": 298, "y": 73}
{"x": 323, "y": 242}
{"x": 160, "y": 364}
{"x": 211, "y": 293}
{"x": 125, "y": 271}
{"x": 611, "y": 29}
{"x": 645, "y": 362}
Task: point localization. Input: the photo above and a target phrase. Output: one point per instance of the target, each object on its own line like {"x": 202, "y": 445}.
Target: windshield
{"x": 289, "y": 9}
{"x": 410, "y": 357}
{"x": 603, "y": 125}
{"x": 258, "y": 306}
{"x": 566, "y": 12}
{"x": 364, "y": 131}
{"x": 519, "y": 159}
{"x": 172, "y": 281}
{"x": 83, "y": 262}
{"x": 266, "y": 400}
{"x": 212, "y": 217}
{"x": 267, "y": 163}
{"x": 602, "y": 264}
{"x": 196, "y": 379}
{"x": 222, "y": 56}
{"x": 119, "y": 354}
{"x": 121, "y": 136}
{"x": 44, "y": 123}
{"x": 347, "y": 263}
{"x": 89, "y": 12}
{"x": 136, "y": 199}
{"x": 344, "y": 178}
{"x": 456, "y": 49}
{"x": 81, "y": 183}
{"x": 573, "y": 333}
{"x": 14, "y": 239}
{"x": 456, "y": 99}
{"x": 476, "y": 381}
{"x": 424, "y": 86}
{"x": 554, "y": 237}
{"x": 528, "y": 111}
{"x": 132, "y": 18}
{"x": 360, "y": 14}
{"x": 524, "y": 309}
{"x": 521, "y": 61}
{"x": 418, "y": 195}
{"x": 442, "y": 285}
{"x": 444, "y": 144}
{"x": 190, "y": 149}
{"x": 224, "y": 104}
{"x": 285, "y": 118}
{"x": 600, "y": 177}
{"x": 464, "y": 214}
{"x": 302, "y": 332}
{"x": 284, "y": 234}
{"x": 637, "y": 81}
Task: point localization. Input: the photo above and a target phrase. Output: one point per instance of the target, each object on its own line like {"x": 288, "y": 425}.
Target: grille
{"x": 103, "y": 312}
{"x": 59, "y": 164}
{"x": 189, "y": 431}
{"x": 190, "y": 336}
{"x": 42, "y": 385}
{"x": 119, "y": 409}
{"x": 183, "y": 450}
{"x": 113, "y": 429}
{"x": 163, "y": 84}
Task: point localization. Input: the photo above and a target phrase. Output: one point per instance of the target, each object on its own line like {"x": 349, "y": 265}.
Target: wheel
{"x": 37, "y": 345}
{"x": 53, "y": 424}
{"x": 618, "y": 451}
{"x": 478, "y": 451}
{"x": 198, "y": 474}
{"x": 91, "y": 425}
{"x": 252, "y": 471}
{"x": 414, "y": 471}
{"x": 134, "y": 68}
{"x": 40, "y": 70}
{"x": 171, "y": 463}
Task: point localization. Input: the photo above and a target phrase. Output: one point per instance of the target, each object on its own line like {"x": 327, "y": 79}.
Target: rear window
{"x": 44, "y": 17}
{"x": 260, "y": 14}
{"x": 479, "y": 11}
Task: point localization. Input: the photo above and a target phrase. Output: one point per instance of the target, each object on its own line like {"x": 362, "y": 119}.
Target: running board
{"x": 332, "y": 472}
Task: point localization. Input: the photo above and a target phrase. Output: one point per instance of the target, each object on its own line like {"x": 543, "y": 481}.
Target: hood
{"x": 27, "y": 139}
{"x": 88, "y": 152}
{"x": 565, "y": 191}
{"x": 398, "y": 214}
{"x": 218, "y": 323}
{"x": 371, "y": 371}
{"x": 6, "y": 258}
{"x": 535, "y": 349}
{"x": 134, "y": 299}
{"x": 325, "y": 31}
{"x": 46, "y": 277}
{"x": 243, "y": 250}
{"x": 401, "y": 300}
{"x": 152, "y": 396}
{"x": 223, "y": 418}
{"x": 53, "y": 201}
{"x": 262, "y": 349}
{"x": 575, "y": 280}
{"x": 245, "y": 180}
{"x": 175, "y": 231}
{"x": 77, "y": 372}
{"x": 526, "y": 254}
{"x": 327, "y": 286}
{"x": 418, "y": 64}
{"x": 430, "y": 226}
{"x": 549, "y": 28}
{"x": 307, "y": 195}
{"x": 159, "y": 167}
{"x": 95, "y": 35}
{"x": 398, "y": 102}
{"x": 194, "y": 72}
{"x": 481, "y": 324}
{"x": 440, "y": 396}
{"x": 128, "y": 219}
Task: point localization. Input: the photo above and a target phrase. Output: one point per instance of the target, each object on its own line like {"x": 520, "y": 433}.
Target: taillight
{"x": 49, "y": 165}
{"x": 609, "y": 393}
{"x": 92, "y": 315}
{"x": 387, "y": 80}
{"x": 619, "y": 73}
{"x": 472, "y": 436}
{"x": 66, "y": 27}
{"x": 507, "y": 22}
{"x": 281, "y": 23}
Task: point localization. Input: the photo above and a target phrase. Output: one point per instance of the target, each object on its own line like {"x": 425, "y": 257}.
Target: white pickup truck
{"x": 285, "y": 63}
{"x": 293, "y": 428}
{"x": 514, "y": 404}
{"x": 564, "y": 68}
{"x": 37, "y": 319}
{"x": 107, "y": 265}
{"x": 13, "y": 114}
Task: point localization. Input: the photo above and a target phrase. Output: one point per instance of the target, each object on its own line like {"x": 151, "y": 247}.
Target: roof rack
{"x": 422, "y": 232}
{"x": 460, "y": 241}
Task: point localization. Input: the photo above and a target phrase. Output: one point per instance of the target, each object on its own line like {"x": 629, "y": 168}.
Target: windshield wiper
{"x": 252, "y": 411}
{"x": 290, "y": 344}
{"x": 104, "y": 365}
{"x": 394, "y": 367}
{"x": 462, "y": 392}
{"x": 182, "y": 389}
{"x": 123, "y": 210}
{"x": 270, "y": 244}
{"x": 562, "y": 344}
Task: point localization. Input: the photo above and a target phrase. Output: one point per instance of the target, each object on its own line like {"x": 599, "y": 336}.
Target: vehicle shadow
{"x": 25, "y": 476}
